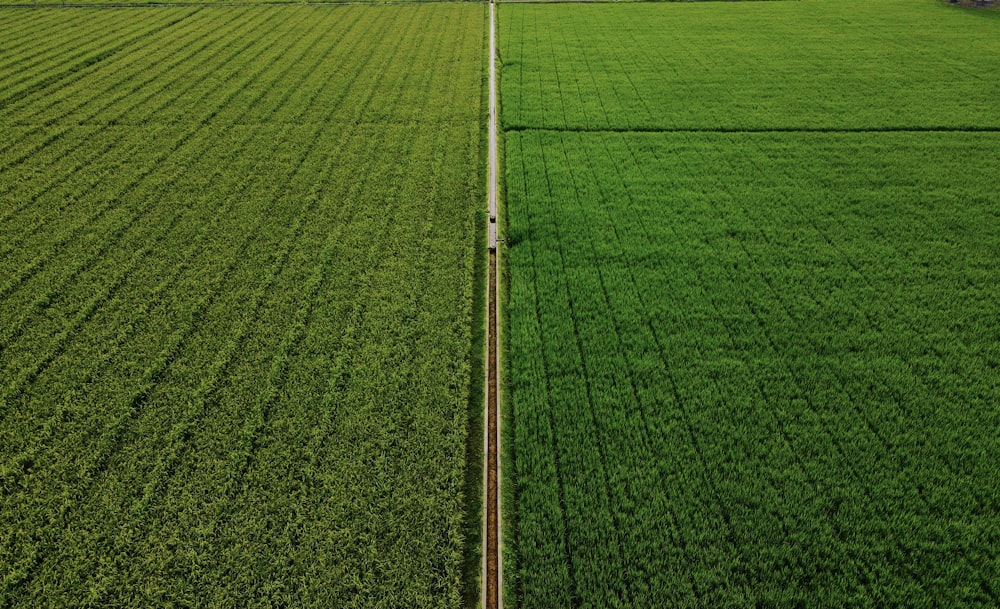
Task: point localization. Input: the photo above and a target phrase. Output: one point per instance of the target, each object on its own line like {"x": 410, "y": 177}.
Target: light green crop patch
{"x": 236, "y": 257}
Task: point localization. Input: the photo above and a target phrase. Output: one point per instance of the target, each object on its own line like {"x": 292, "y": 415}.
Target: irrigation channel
{"x": 492, "y": 540}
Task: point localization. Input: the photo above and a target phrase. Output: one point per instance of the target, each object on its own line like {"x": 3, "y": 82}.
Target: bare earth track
{"x": 492, "y": 595}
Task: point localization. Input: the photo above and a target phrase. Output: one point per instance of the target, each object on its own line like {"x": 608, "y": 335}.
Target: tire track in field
{"x": 181, "y": 432}
{"x": 248, "y": 436}
{"x": 109, "y": 242}
{"x": 718, "y": 387}
{"x": 649, "y": 450}
{"x": 819, "y": 488}
{"x": 288, "y": 344}
{"x": 178, "y": 271}
{"x": 348, "y": 340}
{"x": 249, "y": 439}
{"x": 596, "y": 88}
{"x": 914, "y": 377}
{"x": 650, "y": 328}
{"x": 601, "y": 464}
{"x": 111, "y": 438}
{"x": 95, "y": 182}
{"x": 21, "y": 464}
{"x": 39, "y": 262}
{"x": 164, "y": 103}
{"x": 32, "y": 21}
{"x": 133, "y": 72}
{"x": 28, "y": 375}
{"x": 616, "y": 517}
{"x": 872, "y": 428}
{"x": 628, "y": 596}
{"x": 110, "y": 124}
{"x": 905, "y": 466}
{"x": 571, "y": 587}
{"x": 79, "y": 68}
{"x": 698, "y": 591}
{"x": 37, "y": 49}
{"x": 40, "y": 56}
{"x": 698, "y": 273}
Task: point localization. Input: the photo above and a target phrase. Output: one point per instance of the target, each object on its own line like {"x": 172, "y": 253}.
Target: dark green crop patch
{"x": 754, "y": 337}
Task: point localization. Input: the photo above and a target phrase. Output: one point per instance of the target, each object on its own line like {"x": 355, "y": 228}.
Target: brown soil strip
{"x": 492, "y": 414}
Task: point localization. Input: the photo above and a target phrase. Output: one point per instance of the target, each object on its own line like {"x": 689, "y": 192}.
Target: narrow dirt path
{"x": 492, "y": 566}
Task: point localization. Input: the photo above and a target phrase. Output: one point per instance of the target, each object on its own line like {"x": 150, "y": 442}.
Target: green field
{"x": 237, "y": 250}
{"x": 812, "y": 64}
{"x": 753, "y": 324}
{"x": 754, "y": 319}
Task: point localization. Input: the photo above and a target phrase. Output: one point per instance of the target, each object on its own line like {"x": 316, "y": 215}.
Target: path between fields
{"x": 492, "y": 539}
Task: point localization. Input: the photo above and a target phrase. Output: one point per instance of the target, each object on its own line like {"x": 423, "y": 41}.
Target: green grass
{"x": 750, "y": 65}
{"x": 236, "y": 289}
{"x": 753, "y": 367}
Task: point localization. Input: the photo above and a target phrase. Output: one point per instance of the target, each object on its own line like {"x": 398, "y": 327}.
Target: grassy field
{"x": 816, "y": 64}
{"x": 236, "y": 276}
{"x": 754, "y": 305}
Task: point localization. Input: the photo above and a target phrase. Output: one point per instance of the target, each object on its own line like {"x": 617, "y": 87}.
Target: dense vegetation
{"x": 849, "y": 65}
{"x": 236, "y": 258}
{"x": 756, "y": 367}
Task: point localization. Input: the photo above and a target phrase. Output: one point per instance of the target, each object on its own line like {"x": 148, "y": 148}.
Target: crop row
{"x": 236, "y": 310}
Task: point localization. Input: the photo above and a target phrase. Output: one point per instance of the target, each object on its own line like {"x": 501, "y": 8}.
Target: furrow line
{"x": 573, "y": 585}
{"x": 95, "y": 180}
{"x": 27, "y": 375}
{"x": 340, "y": 369}
{"x": 181, "y": 432}
{"x": 815, "y": 484}
{"x": 77, "y": 47}
{"x": 135, "y": 101}
{"x": 667, "y": 368}
{"x": 914, "y": 377}
{"x": 248, "y": 436}
{"x": 905, "y": 465}
{"x": 147, "y": 306}
{"x": 110, "y": 440}
{"x": 38, "y": 262}
{"x": 78, "y": 70}
{"x": 581, "y": 351}
{"x": 43, "y": 50}
{"x": 646, "y": 440}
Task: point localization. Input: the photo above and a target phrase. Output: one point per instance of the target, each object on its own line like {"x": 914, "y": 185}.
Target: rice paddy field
{"x": 752, "y": 326}
{"x": 754, "y": 333}
{"x": 237, "y": 249}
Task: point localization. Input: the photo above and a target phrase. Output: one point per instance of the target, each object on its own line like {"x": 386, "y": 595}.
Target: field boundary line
{"x": 737, "y": 130}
